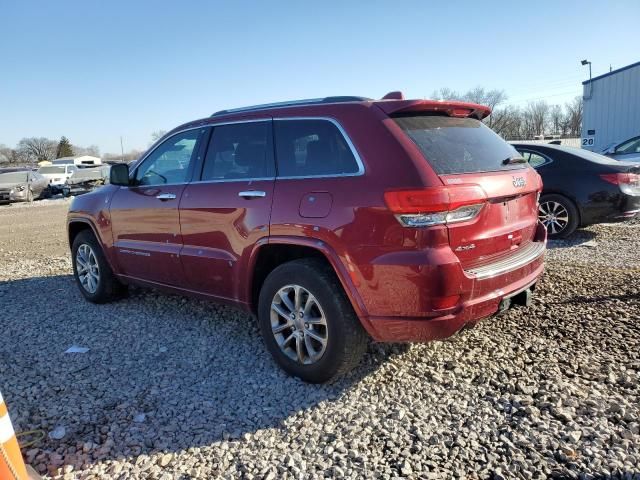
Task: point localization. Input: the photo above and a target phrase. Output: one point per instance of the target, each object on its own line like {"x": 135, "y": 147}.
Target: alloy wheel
{"x": 87, "y": 268}
{"x": 554, "y": 216}
{"x": 298, "y": 324}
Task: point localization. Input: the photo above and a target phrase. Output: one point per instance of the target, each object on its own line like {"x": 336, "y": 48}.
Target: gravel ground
{"x": 174, "y": 388}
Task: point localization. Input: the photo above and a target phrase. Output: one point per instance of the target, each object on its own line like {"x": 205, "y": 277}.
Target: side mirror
{"x": 611, "y": 150}
{"x": 119, "y": 174}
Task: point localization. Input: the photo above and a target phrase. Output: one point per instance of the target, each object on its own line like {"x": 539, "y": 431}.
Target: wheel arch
{"x": 278, "y": 250}
{"x": 77, "y": 225}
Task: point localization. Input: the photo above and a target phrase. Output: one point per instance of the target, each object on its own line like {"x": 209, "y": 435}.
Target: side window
{"x": 239, "y": 151}
{"x": 631, "y": 146}
{"x": 534, "y": 159}
{"x": 312, "y": 148}
{"x": 171, "y": 161}
{"x": 71, "y": 169}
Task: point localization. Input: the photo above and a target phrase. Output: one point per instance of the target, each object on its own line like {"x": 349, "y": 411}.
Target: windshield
{"x": 458, "y": 145}
{"x": 49, "y": 170}
{"x": 15, "y": 177}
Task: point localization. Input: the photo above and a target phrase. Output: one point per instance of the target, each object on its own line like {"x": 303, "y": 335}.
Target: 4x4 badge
{"x": 519, "y": 182}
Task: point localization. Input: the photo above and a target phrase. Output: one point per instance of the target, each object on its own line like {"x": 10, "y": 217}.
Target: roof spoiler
{"x": 449, "y": 107}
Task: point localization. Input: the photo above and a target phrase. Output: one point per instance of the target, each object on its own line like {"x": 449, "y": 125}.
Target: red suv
{"x": 332, "y": 220}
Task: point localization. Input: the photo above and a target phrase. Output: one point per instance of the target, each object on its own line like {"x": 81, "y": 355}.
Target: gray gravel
{"x": 174, "y": 388}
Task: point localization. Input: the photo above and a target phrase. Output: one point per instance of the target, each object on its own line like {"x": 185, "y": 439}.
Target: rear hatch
{"x": 463, "y": 151}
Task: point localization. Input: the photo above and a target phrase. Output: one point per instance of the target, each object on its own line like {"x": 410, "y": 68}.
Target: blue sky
{"x": 95, "y": 71}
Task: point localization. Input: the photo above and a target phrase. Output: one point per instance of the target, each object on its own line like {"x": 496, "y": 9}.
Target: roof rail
{"x": 293, "y": 103}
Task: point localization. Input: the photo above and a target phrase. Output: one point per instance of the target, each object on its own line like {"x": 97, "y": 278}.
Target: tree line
{"x": 509, "y": 121}
{"x": 32, "y": 150}
{"x": 522, "y": 123}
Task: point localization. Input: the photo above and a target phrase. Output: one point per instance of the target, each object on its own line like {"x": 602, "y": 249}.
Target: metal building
{"x": 611, "y": 108}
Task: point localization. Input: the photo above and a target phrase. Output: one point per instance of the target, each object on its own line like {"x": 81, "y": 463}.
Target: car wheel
{"x": 93, "y": 274}
{"x": 307, "y": 322}
{"x": 559, "y": 215}
{"x": 29, "y": 195}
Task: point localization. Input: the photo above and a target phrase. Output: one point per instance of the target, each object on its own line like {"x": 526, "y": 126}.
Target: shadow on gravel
{"x": 578, "y": 238}
{"x": 162, "y": 374}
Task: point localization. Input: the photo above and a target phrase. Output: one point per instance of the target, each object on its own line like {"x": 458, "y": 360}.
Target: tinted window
{"x": 239, "y": 151}
{"x": 631, "y": 146}
{"x": 534, "y": 159}
{"x": 457, "y": 145}
{"x": 170, "y": 162}
{"x": 311, "y": 148}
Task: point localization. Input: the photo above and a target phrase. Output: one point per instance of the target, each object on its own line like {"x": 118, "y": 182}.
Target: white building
{"x": 611, "y": 111}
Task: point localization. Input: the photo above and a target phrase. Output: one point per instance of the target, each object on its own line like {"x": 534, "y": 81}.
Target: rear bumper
{"x": 420, "y": 329}
{"x": 482, "y": 292}
{"x": 621, "y": 208}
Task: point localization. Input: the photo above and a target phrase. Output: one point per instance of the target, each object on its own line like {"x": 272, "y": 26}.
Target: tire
{"x": 559, "y": 214}
{"x": 29, "y": 195}
{"x": 319, "y": 289}
{"x": 102, "y": 286}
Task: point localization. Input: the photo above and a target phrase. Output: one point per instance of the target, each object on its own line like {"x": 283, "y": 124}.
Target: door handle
{"x": 252, "y": 194}
{"x": 166, "y": 196}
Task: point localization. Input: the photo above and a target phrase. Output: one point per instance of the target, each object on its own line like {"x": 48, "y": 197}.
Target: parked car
{"x": 581, "y": 187}
{"x": 628, "y": 151}
{"x": 332, "y": 220}
{"x": 79, "y": 161}
{"x": 85, "y": 180}
{"x": 21, "y": 186}
{"x": 57, "y": 175}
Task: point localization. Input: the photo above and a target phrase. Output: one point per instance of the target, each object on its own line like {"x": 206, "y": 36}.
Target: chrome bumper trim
{"x": 519, "y": 259}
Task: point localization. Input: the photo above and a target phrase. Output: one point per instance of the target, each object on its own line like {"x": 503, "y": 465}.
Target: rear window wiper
{"x": 513, "y": 160}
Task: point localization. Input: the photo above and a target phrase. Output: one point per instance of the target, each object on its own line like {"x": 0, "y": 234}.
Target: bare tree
{"x": 446, "y": 93}
{"x": 37, "y": 149}
{"x": 5, "y": 154}
{"x": 507, "y": 121}
{"x": 157, "y": 135}
{"x": 537, "y": 114}
{"x": 92, "y": 150}
{"x": 573, "y": 114}
{"x": 490, "y": 98}
{"x": 555, "y": 119}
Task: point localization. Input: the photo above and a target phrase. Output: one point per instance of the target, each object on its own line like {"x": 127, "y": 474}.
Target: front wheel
{"x": 308, "y": 324}
{"x": 559, "y": 215}
{"x": 93, "y": 274}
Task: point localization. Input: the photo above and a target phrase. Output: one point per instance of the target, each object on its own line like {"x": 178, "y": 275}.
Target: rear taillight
{"x": 436, "y": 205}
{"x": 629, "y": 183}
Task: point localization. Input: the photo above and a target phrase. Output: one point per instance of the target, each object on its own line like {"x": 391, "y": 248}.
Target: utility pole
{"x": 121, "y": 150}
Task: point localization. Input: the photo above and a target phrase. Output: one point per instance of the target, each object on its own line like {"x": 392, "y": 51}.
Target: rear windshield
{"x": 457, "y": 145}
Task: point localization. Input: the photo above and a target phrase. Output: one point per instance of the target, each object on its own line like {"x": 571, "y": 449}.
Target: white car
{"x": 57, "y": 175}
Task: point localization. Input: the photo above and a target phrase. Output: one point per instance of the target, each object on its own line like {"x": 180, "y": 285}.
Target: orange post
{"x": 12, "y": 465}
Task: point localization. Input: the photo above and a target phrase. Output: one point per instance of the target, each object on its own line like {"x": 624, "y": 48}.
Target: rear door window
{"x": 239, "y": 151}
{"x": 457, "y": 145}
{"x": 534, "y": 159}
{"x": 313, "y": 148}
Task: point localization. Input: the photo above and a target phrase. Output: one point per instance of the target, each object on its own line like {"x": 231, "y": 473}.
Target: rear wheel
{"x": 559, "y": 215}
{"x": 308, "y": 324}
{"x": 93, "y": 274}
